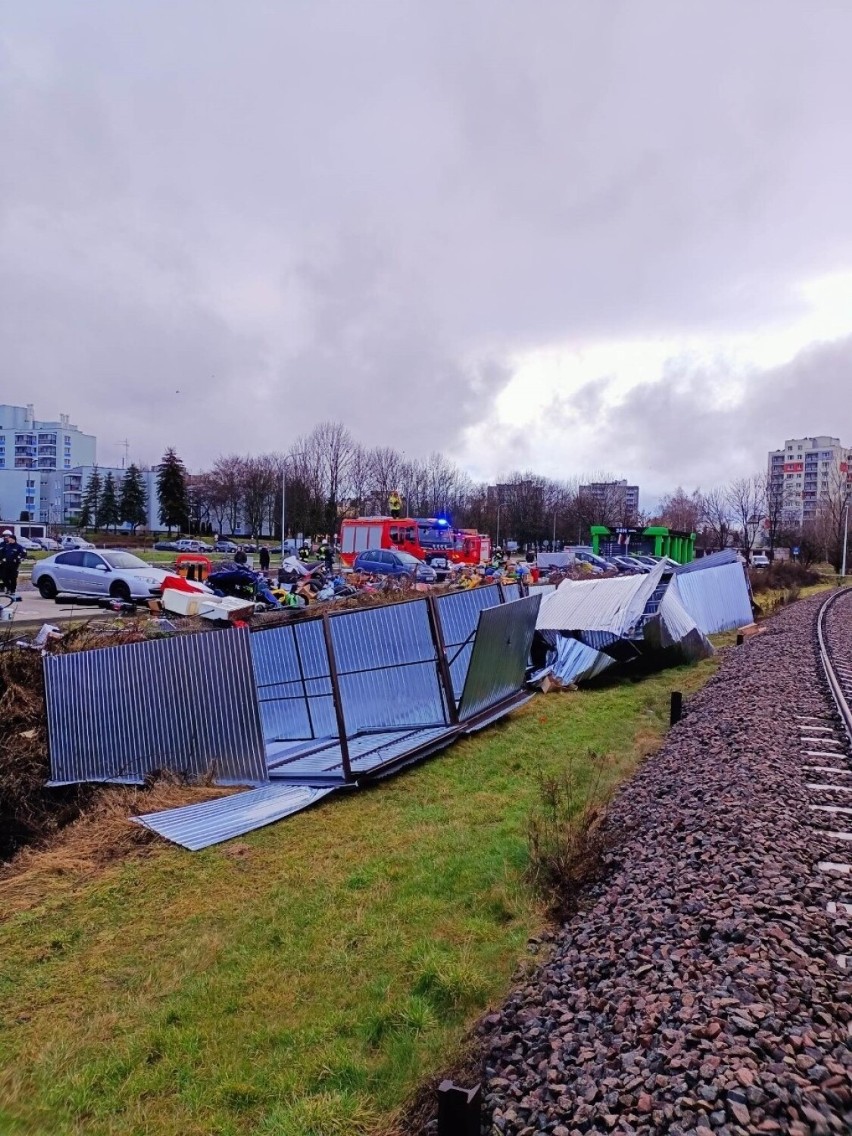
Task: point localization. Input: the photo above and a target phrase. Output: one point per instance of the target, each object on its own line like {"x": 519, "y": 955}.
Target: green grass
{"x": 302, "y": 981}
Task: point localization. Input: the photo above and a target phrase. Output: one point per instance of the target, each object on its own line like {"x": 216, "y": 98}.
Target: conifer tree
{"x": 171, "y": 491}
{"x": 133, "y": 506}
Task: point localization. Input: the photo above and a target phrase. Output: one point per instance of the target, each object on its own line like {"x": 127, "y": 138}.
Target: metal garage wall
{"x": 459, "y": 616}
{"x": 500, "y": 655}
{"x": 186, "y": 704}
{"x": 387, "y": 666}
{"x": 293, "y": 682}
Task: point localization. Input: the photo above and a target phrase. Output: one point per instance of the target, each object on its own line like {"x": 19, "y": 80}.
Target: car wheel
{"x": 46, "y": 588}
{"x": 120, "y": 591}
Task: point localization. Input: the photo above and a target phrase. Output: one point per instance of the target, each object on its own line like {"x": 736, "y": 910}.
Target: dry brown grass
{"x": 101, "y": 834}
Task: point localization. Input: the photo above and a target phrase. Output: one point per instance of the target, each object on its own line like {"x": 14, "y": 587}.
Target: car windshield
{"x": 123, "y": 560}
{"x": 407, "y": 558}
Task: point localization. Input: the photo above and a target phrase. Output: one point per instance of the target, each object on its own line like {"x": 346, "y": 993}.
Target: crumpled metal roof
{"x": 614, "y": 605}
{"x": 576, "y": 662}
{"x": 714, "y": 560}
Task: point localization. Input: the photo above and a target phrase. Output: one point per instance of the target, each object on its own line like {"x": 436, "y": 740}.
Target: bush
{"x": 783, "y": 575}
{"x": 566, "y": 839}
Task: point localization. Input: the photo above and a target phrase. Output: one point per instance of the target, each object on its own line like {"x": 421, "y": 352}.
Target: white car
{"x": 48, "y": 544}
{"x": 119, "y": 575}
{"x": 75, "y": 542}
{"x": 760, "y": 560}
{"x": 28, "y": 545}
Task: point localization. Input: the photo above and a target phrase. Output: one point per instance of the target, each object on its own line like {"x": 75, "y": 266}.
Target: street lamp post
{"x": 288, "y": 457}
{"x": 498, "y": 524}
{"x": 845, "y": 541}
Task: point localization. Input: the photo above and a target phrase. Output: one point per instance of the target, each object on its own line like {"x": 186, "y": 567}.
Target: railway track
{"x": 828, "y": 755}
{"x": 707, "y": 986}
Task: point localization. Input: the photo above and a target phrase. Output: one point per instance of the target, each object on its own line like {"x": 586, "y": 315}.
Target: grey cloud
{"x": 321, "y": 209}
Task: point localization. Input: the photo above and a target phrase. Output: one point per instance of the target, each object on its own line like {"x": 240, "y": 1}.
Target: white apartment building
{"x": 29, "y": 450}
{"x": 808, "y": 471}
{"x": 62, "y": 493}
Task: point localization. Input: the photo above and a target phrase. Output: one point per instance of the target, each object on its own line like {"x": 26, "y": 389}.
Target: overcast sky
{"x": 568, "y": 236}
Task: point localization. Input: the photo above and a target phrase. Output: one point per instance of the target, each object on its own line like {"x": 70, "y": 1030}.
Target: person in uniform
{"x": 11, "y": 555}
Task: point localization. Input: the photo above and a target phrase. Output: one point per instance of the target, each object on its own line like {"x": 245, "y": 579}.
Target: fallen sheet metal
{"x": 185, "y": 704}
{"x": 673, "y": 627}
{"x": 211, "y": 822}
{"x": 500, "y": 656}
{"x": 717, "y": 598}
{"x": 575, "y": 662}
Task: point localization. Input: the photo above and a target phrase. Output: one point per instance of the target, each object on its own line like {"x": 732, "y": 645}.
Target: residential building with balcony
{"x": 31, "y": 448}
{"x": 806, "y": 473}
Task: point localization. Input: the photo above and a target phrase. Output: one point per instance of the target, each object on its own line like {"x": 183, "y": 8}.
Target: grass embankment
{"x": 304, "y": 980}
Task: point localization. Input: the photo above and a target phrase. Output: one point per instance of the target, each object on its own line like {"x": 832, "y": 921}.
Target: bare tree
{"x": 681, "y": 511}
{"x": 716, "y": 516}
{"x": 747, "y": 502}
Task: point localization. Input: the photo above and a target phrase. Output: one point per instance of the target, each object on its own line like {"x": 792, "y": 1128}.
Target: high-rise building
{"x": 31, "y": 449}
{"x": 616, "y": 497}
{"x": 808, "y": 472}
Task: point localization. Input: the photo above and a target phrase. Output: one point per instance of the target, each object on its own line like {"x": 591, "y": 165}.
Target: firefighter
{"x": 11, "y": 555}
{"x": 498, "y": 557}
{"x": 304, "y": 551}
{"x": 395, "y": 504}
{"x": 263, "y": 554}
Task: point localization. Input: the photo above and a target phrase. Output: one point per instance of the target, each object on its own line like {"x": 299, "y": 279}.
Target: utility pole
{"x": 126, "y": 445}
{"x": 845, "y": 541}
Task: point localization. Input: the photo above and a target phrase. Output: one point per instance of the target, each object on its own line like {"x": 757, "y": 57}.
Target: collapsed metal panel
{"x": 210, "y": 822}
{"x": 459, "y": 616}
{"x": 387, "y": 666}
{"x": 500, "y": 654}
{"x": 511, "y": 592}
{"x": 293, "y": 682}
{"x": 185, "y": 704}
{"x": 717, "y": 598}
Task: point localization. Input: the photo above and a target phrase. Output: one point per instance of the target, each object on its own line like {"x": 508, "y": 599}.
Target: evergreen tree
{"x": 133, "y": 507}
{"x": 90, "y": 510}
{"x": 171, "y": 491}
{"x": 109, "y": 503}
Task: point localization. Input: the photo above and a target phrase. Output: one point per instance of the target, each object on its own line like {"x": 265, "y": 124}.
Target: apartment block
{"x": 807, "y": 472}
{"x": 617, "y": 496}
{"x": 31, "y": 448}
{"x": 62, "y": 493}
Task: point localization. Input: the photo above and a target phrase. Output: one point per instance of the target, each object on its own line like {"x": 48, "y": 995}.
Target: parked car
{"x": 28, "y": 545}
{"x": 80, "y": 572}
{"x": 760, "y": 560}
{"x": 75, "y": 542}
{"x": 225, "y": 546}
{"x": 187, "y": 545}
{"x": 48, "y": 544}
{"x": 402, "y": 565}
{"x": 633, "y": 564}
{"x": 166, "y": 546}
{"x": 651, "y": 561}
{"x": 596, "y": 563}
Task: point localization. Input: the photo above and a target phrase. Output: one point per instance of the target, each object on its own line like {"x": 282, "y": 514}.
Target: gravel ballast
{"x": 703, "y": 988}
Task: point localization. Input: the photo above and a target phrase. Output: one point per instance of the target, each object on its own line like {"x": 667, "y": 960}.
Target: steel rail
{"x": 834, "y": 685}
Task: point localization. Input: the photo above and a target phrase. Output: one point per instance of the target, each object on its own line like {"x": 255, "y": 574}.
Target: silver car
{"x": 81, "y": 572}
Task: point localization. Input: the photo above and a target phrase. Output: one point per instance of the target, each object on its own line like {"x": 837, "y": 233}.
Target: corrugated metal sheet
{"x": 500, "y": 655}
{"x": 186, "y": 704}
{"x": 541, "y": 589}
{"x": 293, "y": 682}
{"x": 459, "y": 616}
{"x": 714, "y": 560}
{"x": 575, "y": 662}
{"x": 198, "y": 826}
{"x": 611, "y": 605}
{"x": 545, "y": 560}
{"x": 387, "y": 665}
{"x": 675, "y": 627}
{"x": 716, "y": 598}
{"x": 511, "y": 592}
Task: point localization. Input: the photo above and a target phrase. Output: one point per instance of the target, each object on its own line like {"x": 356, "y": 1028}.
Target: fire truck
{"x": 424, "y": 537}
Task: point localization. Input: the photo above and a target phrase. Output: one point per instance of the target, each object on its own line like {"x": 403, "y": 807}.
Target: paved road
{"x": 33, "y": 610}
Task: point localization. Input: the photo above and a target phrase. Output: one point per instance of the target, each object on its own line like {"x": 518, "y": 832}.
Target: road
{"x": 33, "y": 611}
